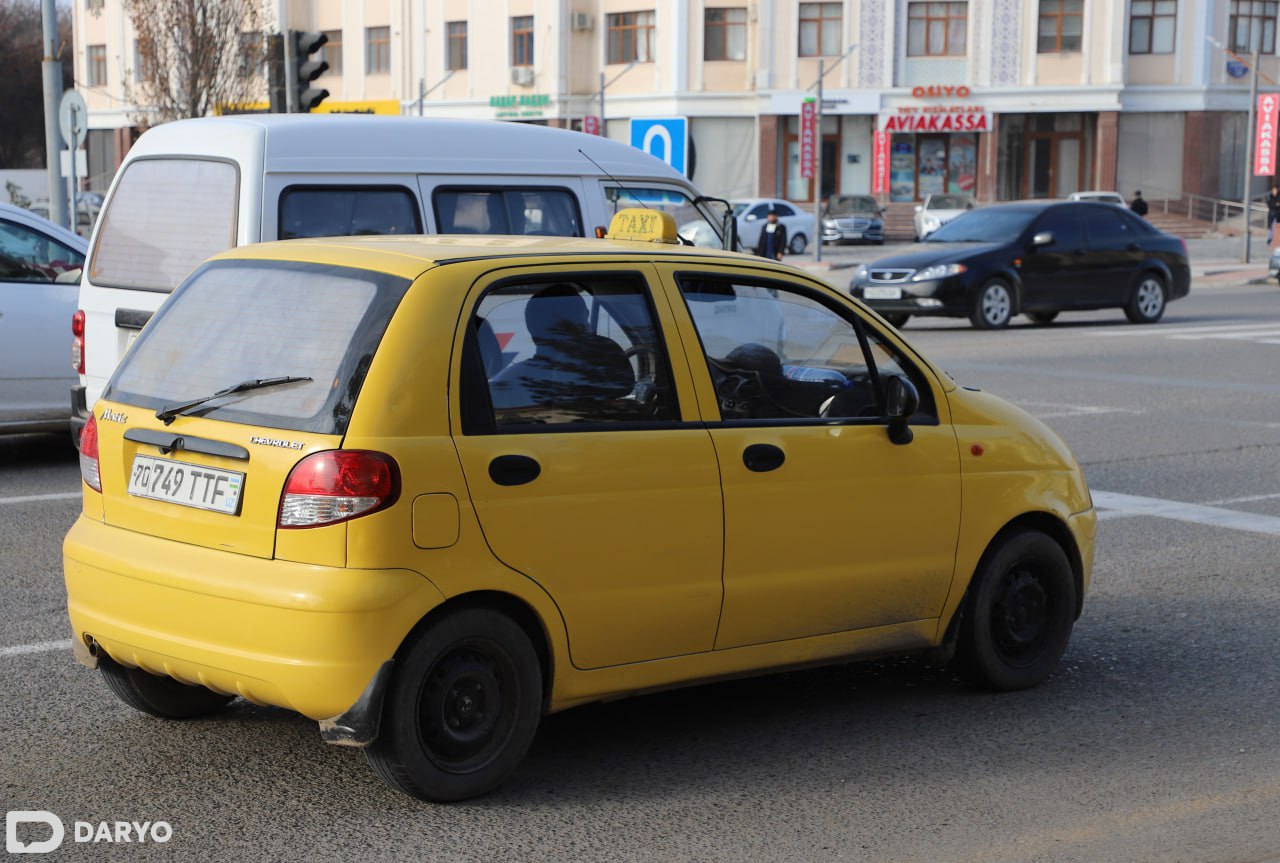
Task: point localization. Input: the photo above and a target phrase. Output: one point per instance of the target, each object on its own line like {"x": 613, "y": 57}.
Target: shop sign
{"x": 931, "y": 118}
{"x": 808, "y": 137}
{"x": 523, "y": 105}
{"x": 941, "y": 91}
{"x": 1264, "y": 145}
{"x": 880, "y": 163}
{"x": 591, "y": 124}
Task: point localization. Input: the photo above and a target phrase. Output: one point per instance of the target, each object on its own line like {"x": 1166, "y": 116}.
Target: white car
{"x": 40, "y": 265}
{"x": 753, "y": 214}
{"x": 937, "y": 210}
{"x": 1100, "y": 197}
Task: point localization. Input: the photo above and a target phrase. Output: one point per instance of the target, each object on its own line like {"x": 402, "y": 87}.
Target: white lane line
{"x": 1158, "y": 330}
{"x": 1251, "y": 334}
{"x": 1253, "y": 498}
{"x": 1117, "y": 505}
{"x": 38, "y": 647}
{"x": 1051, "y": 410}
{"x": 35, "y": 498}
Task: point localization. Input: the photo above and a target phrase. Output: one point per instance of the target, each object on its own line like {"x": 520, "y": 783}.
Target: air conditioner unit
{"x": 522, "y": 75}
{"x": 580, "y": 21}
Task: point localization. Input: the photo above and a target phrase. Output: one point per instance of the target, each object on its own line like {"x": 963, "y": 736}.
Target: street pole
{"x": 817, "y": 168}
{"x": 51, "y": 71}
{"x": 1246, "y": 198}
{"x": 602, "y": 86}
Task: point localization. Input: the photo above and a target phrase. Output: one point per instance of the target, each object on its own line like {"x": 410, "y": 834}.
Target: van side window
{"x": 347, "y": 211}
{"x": 529, "y": 212}
{"x": 566, "y": 352}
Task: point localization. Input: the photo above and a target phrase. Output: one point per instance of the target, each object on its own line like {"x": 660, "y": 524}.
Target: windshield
{"x": 694, "y": 223}
{"x": 949, "y": 202}
{"x": 849, "y": 205}
{"x": 984, "y": 226}
{"x": 236, "y": 321}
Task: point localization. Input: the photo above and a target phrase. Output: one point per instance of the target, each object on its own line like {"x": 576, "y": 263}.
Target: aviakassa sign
{"x": 936, "y": 120}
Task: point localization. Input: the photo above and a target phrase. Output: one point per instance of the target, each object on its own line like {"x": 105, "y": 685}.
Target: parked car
{"x": 40, "y": 265}
{"x": 1032, "y": 258}
{"x": 937, "y": 210}
{"x": 1099, "y": 197}
{"x": 428, "y": 489}
{"x": 753, "y": 214}
{"x": 853, "y": 218}
{"x": 1273, "y": 266}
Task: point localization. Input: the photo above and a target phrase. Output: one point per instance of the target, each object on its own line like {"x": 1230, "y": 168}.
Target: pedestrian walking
{"x": 1273, "y": 212}
{"x": 1139, "y": 204}
{"x": 773, "y": 238}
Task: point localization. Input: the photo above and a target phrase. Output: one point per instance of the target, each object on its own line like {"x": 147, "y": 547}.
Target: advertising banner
{"x": 1264, "y": 144}
{"x": 880, "y": 164}
{"x": 591, "y": 124}
{"x": 808, "y": 138}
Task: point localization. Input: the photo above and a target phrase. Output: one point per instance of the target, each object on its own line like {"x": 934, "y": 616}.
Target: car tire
{"x": 896, "y": 319}
{"x": 1147, "y": 304}
{"x": 1018, "y": 613}
{"x": 992, "y": 306}
{"x": 462, "y": 707}
{"x": 797, "y": 244}
{"x": 159, "y": 696}
{"x": 1042, "y": 318}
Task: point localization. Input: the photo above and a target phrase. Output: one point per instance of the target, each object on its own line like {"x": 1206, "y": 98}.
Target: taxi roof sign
{"x": 645, "y": 225}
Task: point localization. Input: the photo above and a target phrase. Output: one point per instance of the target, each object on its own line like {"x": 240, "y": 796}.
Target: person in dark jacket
{"x": 1139, "y": 205}
{"x": 1273, "y": 212}
{"x": 773, "y": 238}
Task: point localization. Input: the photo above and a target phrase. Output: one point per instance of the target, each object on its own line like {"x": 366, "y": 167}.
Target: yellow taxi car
{"x": 425, "y": 490}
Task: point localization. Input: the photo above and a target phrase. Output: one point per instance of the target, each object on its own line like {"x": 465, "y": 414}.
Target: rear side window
{"x": 237, "y": 321}
{"x": 29, "y": 256}
{"x": 548, "y": 212}
{"x": 166, "y": 217}
{"x": 334, "y": 211}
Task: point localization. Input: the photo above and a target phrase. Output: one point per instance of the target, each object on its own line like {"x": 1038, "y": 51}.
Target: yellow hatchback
{"x": 425, "y": 490}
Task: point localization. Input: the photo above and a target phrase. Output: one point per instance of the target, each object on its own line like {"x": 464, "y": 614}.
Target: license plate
{"x": 882, "y": 293}
{"x": 186, "y": 484}
{"x": 853, "y": 235}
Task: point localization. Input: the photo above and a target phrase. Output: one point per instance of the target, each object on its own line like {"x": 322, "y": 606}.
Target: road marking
{"x": 1056, "y": 409}
{"x": 1042, "y": 372}
{"x": 35, "y": 498}
{"x": 1162, "y": 330}
{"x": 1115, "y": 505}
{"x": 1253, "y": 498}
{"x": 1262, "y": 334}
{"x": 37, "y": 647}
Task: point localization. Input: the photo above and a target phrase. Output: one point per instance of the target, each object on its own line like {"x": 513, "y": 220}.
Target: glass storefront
{"x": 923, "y": 165}
{"x": 1044, "y": 155}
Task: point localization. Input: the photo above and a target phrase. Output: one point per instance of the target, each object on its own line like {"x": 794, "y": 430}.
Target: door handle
{"x": 514, "y": 469}
{"x": 763, "y": 457}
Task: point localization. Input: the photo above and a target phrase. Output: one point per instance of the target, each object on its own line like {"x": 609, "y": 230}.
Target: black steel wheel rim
{"x": 467, "y": 705}
{"x": 1021, "y": 615}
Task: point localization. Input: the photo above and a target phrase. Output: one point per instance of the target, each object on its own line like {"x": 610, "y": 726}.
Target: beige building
{"x": 1002, "y": 98}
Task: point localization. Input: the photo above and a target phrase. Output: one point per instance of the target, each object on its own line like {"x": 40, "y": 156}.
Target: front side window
{"x": 1061, "y": 26}
{"x": 725, "y": 34}
{"x": 377, "y": 50}
{"x": 820, "y": 30}
{"x": 1067, "y": 226}
{"x": 1252, "y": 26}
{"x": 568, "y": 351}
{"x": 331, "y": 52}
{"x": 630, "y": 37}
{"x": 937, "y": 29}
{"x": 456, "y": 46}
{"x": 1152, "y": 25}
{"x": 699, "y": 226}
{"x": 29, "y": 256}
{"x": 777, "y": 353}
{"x": 522, "y": 41}
{"x": 477, "y": 210}
{"x": 328, "y": 211}
{"x": 96, "y": 63}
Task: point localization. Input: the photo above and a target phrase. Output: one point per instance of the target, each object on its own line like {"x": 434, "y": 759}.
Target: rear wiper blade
{"x": 168, "y": 412}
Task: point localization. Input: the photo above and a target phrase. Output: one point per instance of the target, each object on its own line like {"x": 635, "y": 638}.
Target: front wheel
{"x": 464, "y": 702}
{"x": 1018, "y": 613}
{"x": 992, "y": 307}
{"x": 797, "y": 244}
{"x": 1146, "y": 306}
{"x": 159, "y": 696}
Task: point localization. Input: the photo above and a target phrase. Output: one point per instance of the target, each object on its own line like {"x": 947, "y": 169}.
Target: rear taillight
{"x": 89, "y": 455}
{"x": 336, "y": 486}
{"x": 77, "y": 343}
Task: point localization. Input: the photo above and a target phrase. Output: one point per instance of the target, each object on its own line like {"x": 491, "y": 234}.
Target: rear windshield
{"x": 237, "y": 321}
{"x": 165, "y": 218}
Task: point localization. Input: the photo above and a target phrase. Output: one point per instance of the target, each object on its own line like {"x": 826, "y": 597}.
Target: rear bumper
{"x": 306, "y": 638}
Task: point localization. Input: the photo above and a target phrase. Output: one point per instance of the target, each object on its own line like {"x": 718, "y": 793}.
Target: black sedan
{"x": 1032, "y": 258}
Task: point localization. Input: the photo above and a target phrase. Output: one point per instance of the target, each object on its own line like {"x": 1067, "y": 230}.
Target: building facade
{"x": 1003, "y": 99}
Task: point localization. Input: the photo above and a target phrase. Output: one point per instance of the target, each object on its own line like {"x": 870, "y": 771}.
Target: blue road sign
{"x": 666, "y": 138}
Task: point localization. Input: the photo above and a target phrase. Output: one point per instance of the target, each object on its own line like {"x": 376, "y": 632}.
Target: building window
{"x": 1061, "y": 26}
{"x": 1253, "y": 25}
{"x": 253, "y": 54}
{"x": 1151, "y": 26}
{"x": 630, "y": 37}
{"x": 820, "y": 29}
{"x": 455, "y": 50}
{"x": 331, "y": 52}
{"x": 93, "y": 5}
{"x": 96, "y": 61}
{"x": 141, "y": 72}
{"x": 937, "y": 29}
{"x": 377, "y": 50}
{"x": 725, "y": 34}
{"x": 522, "y": 41}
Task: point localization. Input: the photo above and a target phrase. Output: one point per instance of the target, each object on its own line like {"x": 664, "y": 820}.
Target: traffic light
{"x": 307, "y": 70}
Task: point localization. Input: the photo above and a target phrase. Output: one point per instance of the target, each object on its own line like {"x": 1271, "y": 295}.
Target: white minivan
{"x": 190, "y": 189}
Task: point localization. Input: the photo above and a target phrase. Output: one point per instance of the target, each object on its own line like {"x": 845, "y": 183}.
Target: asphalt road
{"x": 1156, "y": 740}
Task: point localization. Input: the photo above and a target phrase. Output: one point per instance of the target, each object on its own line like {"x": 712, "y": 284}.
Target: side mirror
{"x": 901, "y": 401}
{"x": 1044, "y": 238}
{"x": 751, "y": 217}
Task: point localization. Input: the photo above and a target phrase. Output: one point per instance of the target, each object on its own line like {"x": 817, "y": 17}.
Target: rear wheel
{"x": 992, "y": 307}
{"x": 797, "y": 244}
{"x": 1146, "y": 305}
{"x": 159, "y": 696}
{"x": 1042, "y": 318}
{"x": 461, "y": 710}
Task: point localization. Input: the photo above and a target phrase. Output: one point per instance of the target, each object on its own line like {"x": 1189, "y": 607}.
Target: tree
{"x": 197, "y": 56}
{"x": 22, "y": 96}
